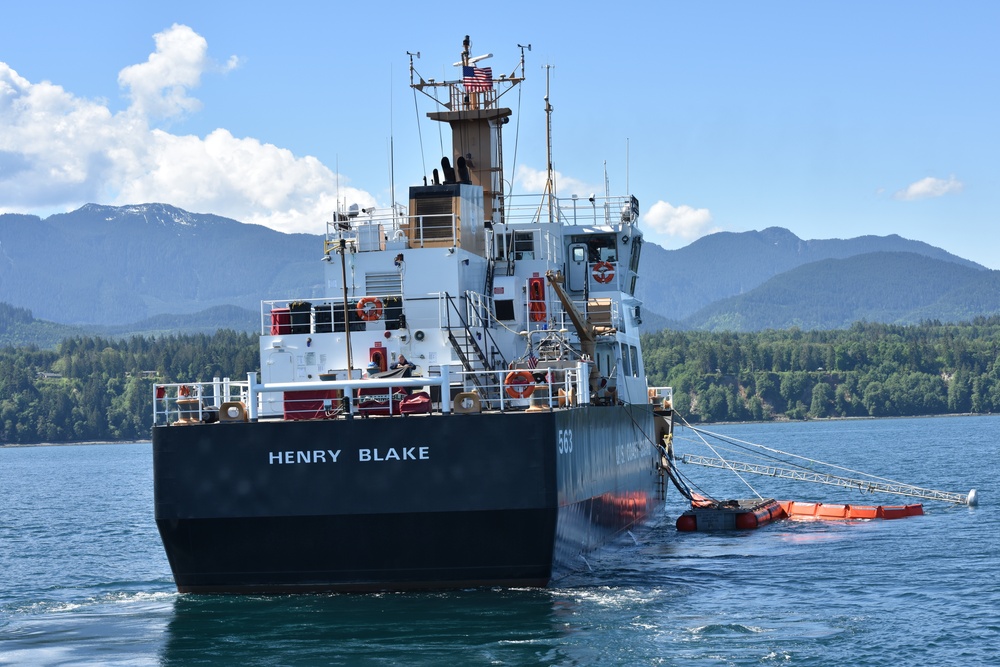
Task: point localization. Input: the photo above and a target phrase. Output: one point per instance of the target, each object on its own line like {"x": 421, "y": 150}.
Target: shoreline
{"x": 12, "y": 445}
{"x": 839, "y": 419}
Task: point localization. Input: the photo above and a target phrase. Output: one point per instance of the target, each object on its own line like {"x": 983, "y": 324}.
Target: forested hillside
{"x": 872, "y": 370}
{"x": 19, "y": 328}
{"x": 102, "y": 389}
{"x": 92, "y": 388}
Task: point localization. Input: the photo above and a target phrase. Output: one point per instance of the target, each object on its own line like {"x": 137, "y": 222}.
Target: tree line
{"x": 868, "y": 370}
{"x": 94, "y": 388}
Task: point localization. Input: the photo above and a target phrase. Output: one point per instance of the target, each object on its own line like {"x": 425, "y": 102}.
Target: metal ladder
{"x": 473, "y": 359}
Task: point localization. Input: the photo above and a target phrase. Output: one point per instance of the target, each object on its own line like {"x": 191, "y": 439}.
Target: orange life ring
{"x": 603, "y": 272}
{"x": 519, "y": 384}
{"x": 370, "y": 309}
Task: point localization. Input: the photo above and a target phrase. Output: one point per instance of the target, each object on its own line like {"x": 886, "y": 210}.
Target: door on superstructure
{"x": 576, "y": 267}
{"x": 279, "y": 367}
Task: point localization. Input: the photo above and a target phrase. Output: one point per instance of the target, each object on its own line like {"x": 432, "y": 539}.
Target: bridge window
{"x": 524, "y": 245}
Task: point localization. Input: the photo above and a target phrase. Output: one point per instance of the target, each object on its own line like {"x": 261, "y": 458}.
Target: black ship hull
{"x": 421, "y": 502}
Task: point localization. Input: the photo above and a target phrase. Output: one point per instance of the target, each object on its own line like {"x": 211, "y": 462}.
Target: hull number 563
{"x": 564, "y": 443}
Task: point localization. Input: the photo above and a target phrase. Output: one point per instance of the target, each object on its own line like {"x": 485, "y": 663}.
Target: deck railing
{"x": 281, "y": 317}
{"x": 509, "y": 389}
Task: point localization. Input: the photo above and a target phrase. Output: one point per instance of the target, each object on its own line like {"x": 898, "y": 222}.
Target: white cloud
{"x": 533, "y": 181}
{"x": 159, "y": 87}
{"x": 61, "y": 151}
{"x": 683, "y": 221}
{"x": 251, "y": 181}
{"x": 929, "y": 187}
{"x": 53, "y": 145}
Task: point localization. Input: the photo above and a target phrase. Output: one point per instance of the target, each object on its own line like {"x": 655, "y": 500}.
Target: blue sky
{"x": 832, "y": 119}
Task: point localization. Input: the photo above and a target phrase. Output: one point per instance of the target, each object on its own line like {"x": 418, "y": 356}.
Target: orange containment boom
{"x": 797, "y": 510}
{"x": 708, "y": 515}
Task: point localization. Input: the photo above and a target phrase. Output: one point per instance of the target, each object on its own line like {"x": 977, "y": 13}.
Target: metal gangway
{"x": 805, "y": 475}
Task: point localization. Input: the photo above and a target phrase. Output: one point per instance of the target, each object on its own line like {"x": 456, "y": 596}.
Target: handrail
{"x": 487, "y": 363}
{"x": 349, "y": 387}
{"x": 307, "y": 320}
{"x": 199, "y": 402}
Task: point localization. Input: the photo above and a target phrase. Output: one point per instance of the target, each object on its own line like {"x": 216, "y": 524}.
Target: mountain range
{"x": 154, "y": 268}
{"x": 678, "y": 283}
{"x": 107, "y": 265}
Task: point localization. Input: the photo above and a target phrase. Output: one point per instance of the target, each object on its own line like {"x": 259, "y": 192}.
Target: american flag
{"x": 532, "y": 362}
{"x": 477, "y": 80}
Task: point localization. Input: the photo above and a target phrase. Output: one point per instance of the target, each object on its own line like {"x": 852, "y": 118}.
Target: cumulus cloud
{"x": 252, "y": 181}
{"x": 533, "y": 180}
{"x": 53, "y": 146}
{"x": 61, "y": 151}
{"x": 683, "y": 222}
{"x": 159, "y": 87}
{"x": 929, "y": 187}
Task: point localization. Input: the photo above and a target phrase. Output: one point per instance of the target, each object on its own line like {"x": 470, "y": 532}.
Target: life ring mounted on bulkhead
{"x": 519, "y": 384}
{"x": 370, "y": 309}
{"x": 603, "y": 272}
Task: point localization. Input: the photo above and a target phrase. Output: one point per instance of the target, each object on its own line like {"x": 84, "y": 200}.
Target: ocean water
{"x": 83, "y": 579}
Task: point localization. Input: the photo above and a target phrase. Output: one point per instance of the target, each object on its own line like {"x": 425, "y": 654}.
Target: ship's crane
{"x": 584, "y": 329}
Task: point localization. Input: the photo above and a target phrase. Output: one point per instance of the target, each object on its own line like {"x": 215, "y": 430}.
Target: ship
{"x": 464, "y": 404}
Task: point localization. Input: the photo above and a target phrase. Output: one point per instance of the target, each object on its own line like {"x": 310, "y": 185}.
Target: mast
{"x": 550, "y": 188}
{"x": 342, "y": 251}
{"x": 476, "y": 119}
{"x": 549, "y": 179}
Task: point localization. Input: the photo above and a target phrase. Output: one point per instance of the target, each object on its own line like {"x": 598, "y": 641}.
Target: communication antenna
{"x": 550, "y": 177}
{"x": 392, "y": 153}
{"x": 627, "y": 191}
{"x": 466, "y": 50}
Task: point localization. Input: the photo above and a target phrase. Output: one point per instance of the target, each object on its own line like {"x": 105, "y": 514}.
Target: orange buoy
{"x": 687, "y": 523}
{"x": 756, "y": 518}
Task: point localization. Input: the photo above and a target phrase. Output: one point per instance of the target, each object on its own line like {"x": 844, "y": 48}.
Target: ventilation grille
{"x": 382, "y": 284}
{"x": 436, "y": 212}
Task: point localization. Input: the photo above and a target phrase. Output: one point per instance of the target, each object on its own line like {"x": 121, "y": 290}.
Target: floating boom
{"x": 835, "y": 480}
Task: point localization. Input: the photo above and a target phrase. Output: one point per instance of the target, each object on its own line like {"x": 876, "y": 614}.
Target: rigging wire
{"x": 517, "y": 135}
{"x": 444, "y": 77}
{"x": 420, "y": 134}
{"x": 737, "y": 441}
{"x": 706, "y": 443}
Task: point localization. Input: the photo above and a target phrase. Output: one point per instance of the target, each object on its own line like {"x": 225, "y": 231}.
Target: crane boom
{"x": 834, "y": 480}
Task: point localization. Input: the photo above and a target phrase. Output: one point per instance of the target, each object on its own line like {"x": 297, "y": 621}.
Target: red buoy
{"x": 687, "y": 523}
{"x": 747, "y": 521}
